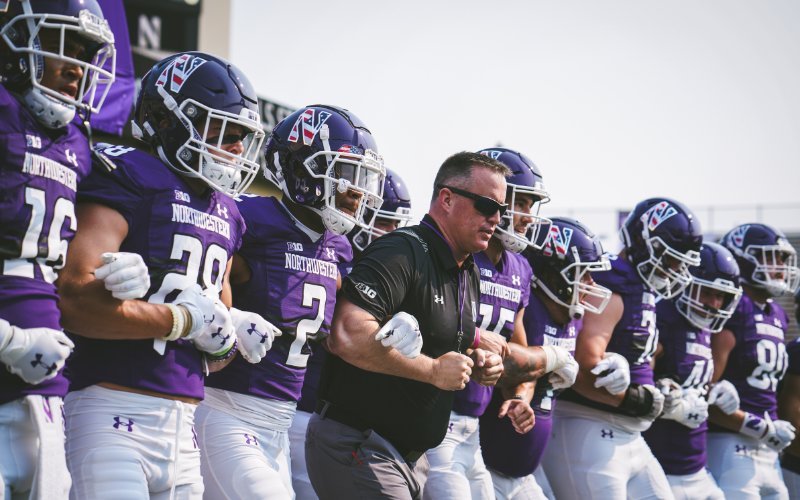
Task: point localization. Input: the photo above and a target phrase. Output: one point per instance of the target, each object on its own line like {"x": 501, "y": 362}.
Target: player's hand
{"x": 124, "y": 274}
{"x": 488, "y": 367}
{"x": 451, "y": 371}
{"x": 200, "y": 306}
{"x": 780, "y": 433}
{"x": 725, "y": 396}
{"x": 255, "y": 334}
{"x": 691, "y": 409}
{"x": 494, "y": 342}
{"x": 658, "y": 403}
{"x": 520, "y": 413}
{"x": 219, "y": 334}
{"x": 615, "y": 371}
{"x": 35, "y": 354}
{"x": 402, "y": 333}
{"x": 672, "y": 394}
{"x": 565, "y": 376}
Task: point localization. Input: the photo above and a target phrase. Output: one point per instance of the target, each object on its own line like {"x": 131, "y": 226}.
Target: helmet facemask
{"x": 766, "y": 259}
{"x": 656, "y": 271}
{"x": 366, "y": 235}
{"x": 704, "y": 315}
{"x": 51, "y": 108}
{"x": 505, "y": 231}
{"x": 571, "y": 288}
{"x": 202, "y": 155}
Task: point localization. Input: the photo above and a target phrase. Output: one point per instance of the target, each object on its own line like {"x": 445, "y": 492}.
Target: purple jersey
{"x": 293, "y": 286}
{"x": 636, "y": 335}
{"x": 39, "y": 173}
{"x": 687, "y": 360}
{"x": 793, "y": 351}
{"x": 504, "y": 292}
{"x": 504, "y": 450}
{"x": 758, "y": 361}
{"x": 184, "y": 239}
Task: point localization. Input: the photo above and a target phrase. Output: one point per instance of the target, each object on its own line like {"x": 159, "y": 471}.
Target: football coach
{"x": 378, "y": 411}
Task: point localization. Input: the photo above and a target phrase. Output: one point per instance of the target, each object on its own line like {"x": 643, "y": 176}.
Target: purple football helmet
{"x": 564, "y": 255}
{"x": 763, "y": 252}
{"x": 525, "y": 180}
{"x": 660, "y": 232}
{"x": 22, "y": 68}
{"x": 396, "y": 206}
{"x": 201, "y": 96}
{"x": 320, "y": 150}
{"x": 717, "y": 271}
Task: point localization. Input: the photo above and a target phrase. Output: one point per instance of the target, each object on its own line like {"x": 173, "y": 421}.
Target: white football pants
{"x": 20, "y": 446}
{"x": 697, "y": 486}
{"x": 589, "y": 459}
{"x": 544, "y": 483}
{"x": 130, "y": 446}
{"x": 297, "y": 444}
{"x": 241, "y": 460}
{"x": 516, "y": 488}
{"x": 457, "y": 468}
{"x": 792, "y": 481}
{"x": 744, "y": 468}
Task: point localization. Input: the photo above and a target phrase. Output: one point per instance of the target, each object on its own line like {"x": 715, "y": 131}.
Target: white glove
{"x": 619, "y": 379}
{"x": 125, "y": 275}
{"x": 658, "y": 403}
{"x": 35, "y": 354}
{"x": 402, "y": 333}
{"x": 672, "y": 394}
{"x": 219, "y": 334}
{"x": 780, "y": 433}
{"x": 691, "y": 410}
{"x": 200, "y": 307}
{"x": 725, "y": 396}
{"x": 565, "y": 376}
{"x": 255, "y": 334}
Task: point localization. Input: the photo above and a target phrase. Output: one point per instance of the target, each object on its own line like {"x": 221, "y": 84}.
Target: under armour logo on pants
{"x": 604, "y": 433}
{"x": 119, "y": 423}
{"x": 194, "y": 439}
{"x": 741, "y": 449}
{"x": 250, "y": 440}
{"x": 450, "y": 428}
{"x": 438, "y": 300}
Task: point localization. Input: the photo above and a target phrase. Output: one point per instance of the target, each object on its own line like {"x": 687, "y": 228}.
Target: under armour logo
{"x": 46, "y": 406}
{"x": 118, "y": 423}
{"x": 72, "y": 158}
{"x": 222, "y": 211}
{"x": 450, "y": 428}
{"x": 774, "y": 441}
{"x": 741, "y": 449}
{"x": 693, "y": 416}
{"x": 194, "y": 439}
{"x": 331, "y": 253}
{"x": 218, "y": 333}
{"x": 515, "y": 280}
{"x": 253, "y": 330}
{"x": 438, "y": 300}
{"x": 209, "y": 321}
{"x": 38, "y": 361}
{"x": 604, "y": 433}
{"x": 250, "y": 440}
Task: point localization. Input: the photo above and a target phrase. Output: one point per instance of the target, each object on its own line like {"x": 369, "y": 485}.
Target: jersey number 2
{"x": 306, "y": 327}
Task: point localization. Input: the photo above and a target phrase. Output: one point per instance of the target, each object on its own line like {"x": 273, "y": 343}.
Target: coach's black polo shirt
{"x": 412, "y": 270}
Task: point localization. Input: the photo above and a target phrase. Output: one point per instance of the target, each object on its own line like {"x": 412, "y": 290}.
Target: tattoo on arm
{"x": 526, "y": 364}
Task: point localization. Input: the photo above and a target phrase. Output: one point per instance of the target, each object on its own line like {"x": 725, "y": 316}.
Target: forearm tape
{"x": 638, "y": 401}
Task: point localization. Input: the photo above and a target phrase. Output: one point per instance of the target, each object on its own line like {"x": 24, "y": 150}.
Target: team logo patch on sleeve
{"x": 657, "y": 214}
{"x": 557, "y": 241}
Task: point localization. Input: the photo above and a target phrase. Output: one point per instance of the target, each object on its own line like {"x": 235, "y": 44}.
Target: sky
{"x": 615, "y": 101}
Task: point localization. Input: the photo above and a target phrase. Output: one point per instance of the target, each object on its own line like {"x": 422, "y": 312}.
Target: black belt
{"x": 328, "y": 410}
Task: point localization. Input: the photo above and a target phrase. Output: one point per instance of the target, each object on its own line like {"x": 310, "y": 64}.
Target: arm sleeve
{"x": 382, "y": 276}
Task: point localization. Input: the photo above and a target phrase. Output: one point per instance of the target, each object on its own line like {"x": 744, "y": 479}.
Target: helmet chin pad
{"x": 511, "y": 241}
{"x": 219, "y": 175}
{"x": 335, "y": 221}
{"x": 48, "y": 111}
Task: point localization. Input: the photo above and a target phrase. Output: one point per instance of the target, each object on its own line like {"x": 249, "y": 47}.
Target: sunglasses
{"x": 485, "y": 206}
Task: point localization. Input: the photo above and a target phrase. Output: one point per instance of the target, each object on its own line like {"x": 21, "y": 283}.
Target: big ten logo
{"x": 294, "y": 247}
{"x": 369, "y": 292}
{"x": 33, "y": 141}
{"x": 180, "y": 195}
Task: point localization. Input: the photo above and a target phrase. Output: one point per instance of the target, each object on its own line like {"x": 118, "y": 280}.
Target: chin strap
{"x": 85, "y": 119}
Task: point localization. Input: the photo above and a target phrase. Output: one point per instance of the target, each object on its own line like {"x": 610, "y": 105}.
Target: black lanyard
{"x": 461, "y": 293}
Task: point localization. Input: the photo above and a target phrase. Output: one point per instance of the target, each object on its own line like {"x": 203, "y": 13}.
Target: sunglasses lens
{"x": 488, "y": 207}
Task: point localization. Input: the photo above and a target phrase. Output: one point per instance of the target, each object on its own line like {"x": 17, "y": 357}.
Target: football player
{"x": 163, "y": 228}
{"x": 325, "y": 160}
{"x": 395, "y": 212}
{"x": 563, "y": 261}
{"x": 51, "y": 59}
{"x": 684, "y": 368}
{"x": 749, "y": 352}
{"x": 596, "y": 449}
{"x": 457, "y": 466}
{"x": 789, "y": 410}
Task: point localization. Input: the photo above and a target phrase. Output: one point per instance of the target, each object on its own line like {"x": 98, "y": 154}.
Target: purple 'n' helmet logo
{"x": 657, "y": 214}
{"x": 492, "y": 153}
{"x": 556, "y": 241}
{"x": 182, "y": 67}
{"x": 737, "y": 235}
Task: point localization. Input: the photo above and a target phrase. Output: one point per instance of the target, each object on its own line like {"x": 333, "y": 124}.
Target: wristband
{"x": 753, "y": 426}
{"x": 517, "y": 396}
{"x": 187, "y": 320}
{"x": 477, "y": 338}
{"x": 222, "y": 356}
{"x": 178, "y": 323}
{"x": 638, "y": 401}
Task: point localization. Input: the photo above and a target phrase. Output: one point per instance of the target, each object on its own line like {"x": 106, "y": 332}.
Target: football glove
{"x": 618, "y": 378}
{"x": 402, "y": 333}
{"x": 200, "y": 306}
{"x": 35, "y": 354}
{"x": 690, "y": 410}
{"x": 672, "y": 393}
{"x": 218, "y": 335}
{"x": 124, "y": 274}
{"x": 725, "y": 396}
{"x": 565, "y": 376}
{"x": 255, "y": 334}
